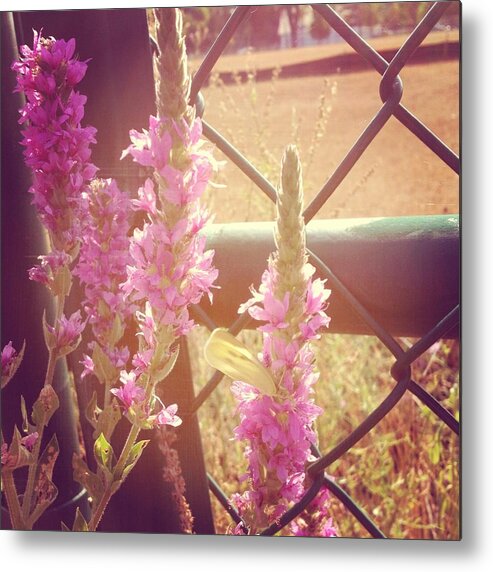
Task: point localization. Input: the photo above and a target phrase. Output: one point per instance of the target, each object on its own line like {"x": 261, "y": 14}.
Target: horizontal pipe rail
{"x": 404, "y": 270}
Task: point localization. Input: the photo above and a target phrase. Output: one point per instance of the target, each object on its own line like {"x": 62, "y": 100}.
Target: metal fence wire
{"x": 391, "y": 90}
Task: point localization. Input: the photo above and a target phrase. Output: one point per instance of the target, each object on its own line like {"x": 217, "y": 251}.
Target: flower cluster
{"x": 170, "y": 267}
{"x": 101, "y": 267}
{"x": 65, "y": 334}
{"x": 139, "y": 408}
{"x": 57, "y": 148}
{"x": 279, "y": 429}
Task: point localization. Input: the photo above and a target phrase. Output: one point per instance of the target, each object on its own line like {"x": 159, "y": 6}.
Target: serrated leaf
{"x": 80, "y": 524}
{"x": 134, "y": 456}
{"x": 108, "y": 419}
{"x": 50, "y": 339}
{"x": 89, "y": 480}
{"x": 93, "y": 411}
{"x": 104, "y": 370}
{"x": 103, "y": 452}
{"x": 44, "y": 407}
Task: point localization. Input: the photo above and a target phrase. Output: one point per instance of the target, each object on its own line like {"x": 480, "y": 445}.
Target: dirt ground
{"x": 265, "y": 59}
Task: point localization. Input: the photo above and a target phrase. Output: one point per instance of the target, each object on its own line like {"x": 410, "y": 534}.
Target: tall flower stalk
{"x": 279, "y": 429}
{"x": 57, "y": 150}
{"x": 101, "y": 268}
{"x": 169, "y": 268}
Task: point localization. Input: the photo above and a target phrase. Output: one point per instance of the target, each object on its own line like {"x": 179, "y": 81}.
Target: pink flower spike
{"x": 56, "y": 146}
{"x": 167, "y": 416}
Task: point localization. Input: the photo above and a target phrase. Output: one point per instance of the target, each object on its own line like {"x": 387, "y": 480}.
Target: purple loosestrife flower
{"x": 101, "y": 267}
{"x": 130, "y": 394}
{"x": 67, "y": 337}
{"x": 279, "y": 429}
{"x": 57, "y": 147}
{"x": 170, "y": 268}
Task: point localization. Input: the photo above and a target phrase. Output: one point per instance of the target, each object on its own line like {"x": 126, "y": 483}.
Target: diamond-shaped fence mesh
{"x": 391, "y": 89}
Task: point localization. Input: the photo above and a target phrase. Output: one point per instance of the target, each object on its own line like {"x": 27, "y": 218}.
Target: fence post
{"x": 23, "y": 303}
{"x": 120, "y": 91}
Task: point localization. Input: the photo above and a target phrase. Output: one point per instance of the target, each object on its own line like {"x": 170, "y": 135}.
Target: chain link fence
{"x": 128, "y": 32}
{"x": 391, "y": 90}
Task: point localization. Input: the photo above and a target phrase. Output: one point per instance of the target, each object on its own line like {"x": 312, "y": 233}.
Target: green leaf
{"x": 134, "y": 456}
{"x": 62, "y": 282}
{"x": 104, "y": 370}
{"x": 103, "y": 453}
{"x": 93, "y": 411}
{"x": 108, "y": 419}
{"x": 160, "y": 371}
{"x": 89, "y": 480}
{"x": 80, "y": 524}
{"x": 44, "y": 407}
{"x": 50, "y": 339}
{"x": 117, "y": 331}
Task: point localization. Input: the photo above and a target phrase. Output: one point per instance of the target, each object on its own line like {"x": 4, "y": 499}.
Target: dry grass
{"x": 397, "y": 175}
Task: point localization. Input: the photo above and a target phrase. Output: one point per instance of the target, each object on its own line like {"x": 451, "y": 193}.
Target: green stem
{"x": 12, "y": 500}
{"x": 117, "y": 475}
{"x": 50, "y": 374}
